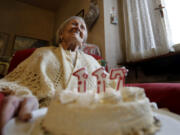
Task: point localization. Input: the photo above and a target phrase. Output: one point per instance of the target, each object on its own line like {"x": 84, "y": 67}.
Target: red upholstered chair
{"x": 166, "y": 95}
{"x": 1, "y": 98}
{"x": 19, "y": 56}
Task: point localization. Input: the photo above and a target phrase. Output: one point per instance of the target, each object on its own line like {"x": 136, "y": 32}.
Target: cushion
{"x": 91, "y": 49}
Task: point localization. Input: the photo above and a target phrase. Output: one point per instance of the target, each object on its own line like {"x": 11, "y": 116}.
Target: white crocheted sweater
{"x": 47, "y": 70}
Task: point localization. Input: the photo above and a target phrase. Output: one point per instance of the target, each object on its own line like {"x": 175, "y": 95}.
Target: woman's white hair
{"x": 62, "y": 26}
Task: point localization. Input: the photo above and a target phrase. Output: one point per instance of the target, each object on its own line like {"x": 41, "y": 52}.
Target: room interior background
{"x": 37, "y": 20}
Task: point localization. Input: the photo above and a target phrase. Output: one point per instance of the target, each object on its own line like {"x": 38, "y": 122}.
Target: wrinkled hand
{"x": 16, "y": 106}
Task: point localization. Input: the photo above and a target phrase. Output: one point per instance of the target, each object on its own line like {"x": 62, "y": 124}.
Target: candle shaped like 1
{"x": 101, "y": 75}
{"x": 120, "y": 75}
{"x": 82, "y": 75}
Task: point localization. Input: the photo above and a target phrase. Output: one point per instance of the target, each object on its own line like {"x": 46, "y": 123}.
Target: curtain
{"x": 145, "y": 30}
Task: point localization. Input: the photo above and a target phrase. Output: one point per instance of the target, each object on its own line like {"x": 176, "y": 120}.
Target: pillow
{"x": 91, "y": 49}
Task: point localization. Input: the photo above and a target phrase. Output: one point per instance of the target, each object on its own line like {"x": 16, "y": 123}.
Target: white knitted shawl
{"x": 46, "y": 71}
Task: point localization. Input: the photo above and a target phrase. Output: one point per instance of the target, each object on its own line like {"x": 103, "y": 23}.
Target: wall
{"x": 22, "y": 19}
{"x": 96, "y": 35}
{"x": 113, "y": 43}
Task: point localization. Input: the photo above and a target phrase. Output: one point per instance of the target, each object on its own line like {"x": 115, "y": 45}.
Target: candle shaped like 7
{"x": 82, "y": 76}
{"x": 120, "y": 75}
{"x": 101, "y": 75}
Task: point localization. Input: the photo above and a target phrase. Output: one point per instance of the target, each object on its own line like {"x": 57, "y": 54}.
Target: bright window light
{"x": 173, "y": 12}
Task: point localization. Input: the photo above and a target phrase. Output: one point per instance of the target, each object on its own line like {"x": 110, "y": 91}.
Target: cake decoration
{"x": 119, "y": 74}
{"x": 82, "y": 75}
{"x": 101, "y": 75}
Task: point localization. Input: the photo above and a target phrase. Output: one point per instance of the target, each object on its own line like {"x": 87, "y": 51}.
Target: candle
{"x": 120, "y": 75}
{"x": 82, "y": 76}
{"x": 101, "y": 75}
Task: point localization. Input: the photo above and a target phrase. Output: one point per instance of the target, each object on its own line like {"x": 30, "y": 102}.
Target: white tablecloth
{"x": 170, "y": 124}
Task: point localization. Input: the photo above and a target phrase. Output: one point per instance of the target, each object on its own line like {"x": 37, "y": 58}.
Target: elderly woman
{"x": 46, "y": 71}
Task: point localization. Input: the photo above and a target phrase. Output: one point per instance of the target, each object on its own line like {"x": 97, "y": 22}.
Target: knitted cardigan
{"x": 46, "y": 71}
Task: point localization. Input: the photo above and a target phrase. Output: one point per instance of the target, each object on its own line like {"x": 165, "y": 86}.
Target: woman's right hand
{"x": 17, "y": 106}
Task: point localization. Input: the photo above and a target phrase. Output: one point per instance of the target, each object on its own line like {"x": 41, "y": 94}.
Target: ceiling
{"x": 51, "y": 5}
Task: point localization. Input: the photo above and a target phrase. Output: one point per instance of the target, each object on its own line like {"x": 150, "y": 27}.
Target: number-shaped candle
{"x": 101, "y": 75}
{"x": 120, "y": 75}
{"x": 82, "y": 75}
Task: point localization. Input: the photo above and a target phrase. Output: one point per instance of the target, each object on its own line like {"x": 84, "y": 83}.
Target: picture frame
{"x": 23, "y": 42}
{"x": 3, "y": 68}
{"x": 4, "y": 39}
{"x": 81, "y": 13}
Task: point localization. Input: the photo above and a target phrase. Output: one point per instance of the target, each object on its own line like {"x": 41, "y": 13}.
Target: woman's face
{"x": 73, "y": 35}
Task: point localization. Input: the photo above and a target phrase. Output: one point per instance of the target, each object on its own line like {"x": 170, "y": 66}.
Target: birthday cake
{"x": 124, "y": 112}
{"x": 104, "y": 111}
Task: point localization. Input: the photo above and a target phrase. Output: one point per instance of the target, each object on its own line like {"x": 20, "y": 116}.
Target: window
{"x": 173, "y": 11}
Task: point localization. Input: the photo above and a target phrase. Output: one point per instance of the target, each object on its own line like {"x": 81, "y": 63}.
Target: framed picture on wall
{"x": 80, "y": 13}
{"x": 22, "y": 42}
{"x": 4, "y": 38}
{"x": 3, "y": 68}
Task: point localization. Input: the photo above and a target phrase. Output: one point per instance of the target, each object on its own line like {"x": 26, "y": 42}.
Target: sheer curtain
{"x": 146, "y": 32}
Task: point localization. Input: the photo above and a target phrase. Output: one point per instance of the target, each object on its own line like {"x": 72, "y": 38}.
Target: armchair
{"x": 166, "y": 95}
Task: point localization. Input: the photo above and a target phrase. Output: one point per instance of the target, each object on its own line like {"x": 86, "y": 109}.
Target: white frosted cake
{"x": 124, "y": 112}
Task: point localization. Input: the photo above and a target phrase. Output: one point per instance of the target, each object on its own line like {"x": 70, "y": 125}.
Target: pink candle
{"x": 82, "y": 76}
{"x": 101, "y": 75}
{"x": 120, "y": 75}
